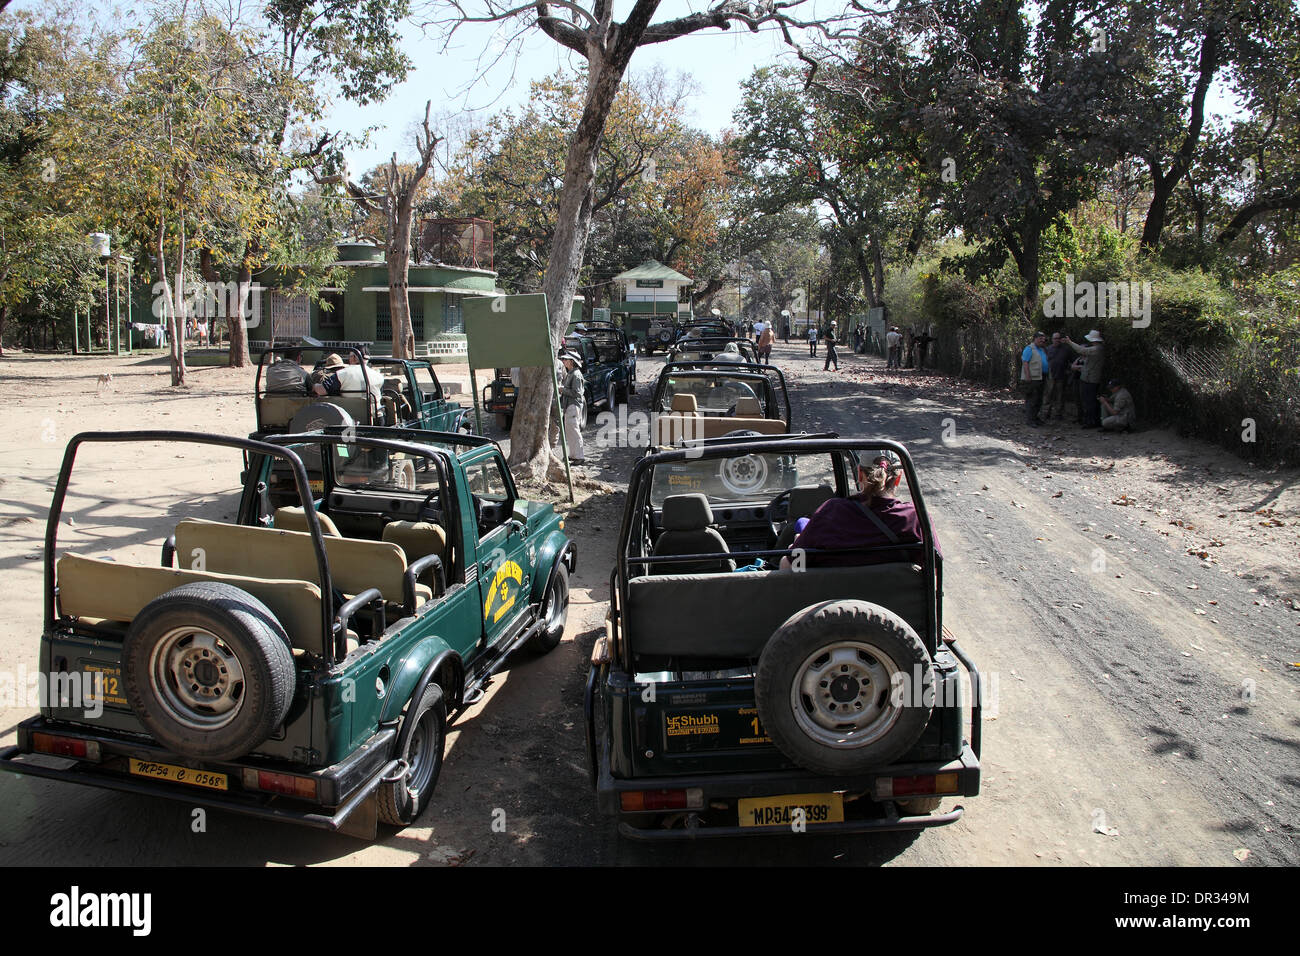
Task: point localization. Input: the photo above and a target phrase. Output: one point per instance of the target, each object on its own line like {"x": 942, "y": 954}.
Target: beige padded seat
{"x": 748, "y": 408}
{"x": 278, "y": 410}
{"x": 95, "y": 588}
{"x": 293, "y": 518}
{"x": 684, "y": 402}
{"x": 355, "y": 564}
{"x": 418, "y": 539}
{"x": 717, "y": 427}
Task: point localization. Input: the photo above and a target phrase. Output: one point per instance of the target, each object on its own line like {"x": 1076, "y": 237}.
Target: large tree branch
{"x": 1249, "y": 211}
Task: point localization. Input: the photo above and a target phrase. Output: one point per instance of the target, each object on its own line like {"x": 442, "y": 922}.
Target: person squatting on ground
{"x": 1121, "y": 413}
{"x": 572, "y": 400}
{"x": 894, "y": 346}
{"x": 830, "y": 350}
{"x": 872, "y": 517}
{"x": 1034, "y": 371}
{"x": 1094, "y": 357}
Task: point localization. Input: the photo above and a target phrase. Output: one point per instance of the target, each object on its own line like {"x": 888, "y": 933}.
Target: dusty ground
{"x": 1123, "y": 588}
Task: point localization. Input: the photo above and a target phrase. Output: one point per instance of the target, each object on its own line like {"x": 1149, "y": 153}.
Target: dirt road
{"x": 1142, "y": 690}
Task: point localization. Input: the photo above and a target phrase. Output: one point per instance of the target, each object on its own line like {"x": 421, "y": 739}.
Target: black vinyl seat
{"x": 804, "y": 500}
{"x": 686, "y": 524}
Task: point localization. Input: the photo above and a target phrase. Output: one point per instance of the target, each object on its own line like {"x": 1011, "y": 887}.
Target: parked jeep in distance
{"x": 401, "y": 393}
{"x": 825, "y": 698}
{"x": 608, "y": 364}
{"x": 301, "y": 663}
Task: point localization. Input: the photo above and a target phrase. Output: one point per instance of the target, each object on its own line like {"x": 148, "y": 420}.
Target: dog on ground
{"x": 104, "y": 381}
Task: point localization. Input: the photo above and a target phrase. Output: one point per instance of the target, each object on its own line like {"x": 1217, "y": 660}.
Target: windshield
{"x": 714, "y": 394}
{"x": 754, "y": 478}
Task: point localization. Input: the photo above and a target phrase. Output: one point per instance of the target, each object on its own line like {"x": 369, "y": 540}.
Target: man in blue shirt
{"x": 1034, "y": 375}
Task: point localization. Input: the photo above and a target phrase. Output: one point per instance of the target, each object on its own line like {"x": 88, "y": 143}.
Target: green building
{"x": 357, "y": 312}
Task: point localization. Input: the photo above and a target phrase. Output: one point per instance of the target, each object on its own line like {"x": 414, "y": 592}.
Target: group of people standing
{"x": 1051, "y": 373}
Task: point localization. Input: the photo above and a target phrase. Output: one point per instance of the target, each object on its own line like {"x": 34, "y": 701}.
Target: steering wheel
{"x": 780, "y": 505}
{"x": 404, "y": 407}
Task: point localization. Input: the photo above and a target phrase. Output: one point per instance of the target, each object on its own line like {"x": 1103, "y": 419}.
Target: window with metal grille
{"x": 384, "y": 319}
{"x": 453, "y": 318}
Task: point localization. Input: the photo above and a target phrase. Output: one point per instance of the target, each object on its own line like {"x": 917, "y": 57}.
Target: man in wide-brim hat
{"x": 572, "y": 401}
{"x": 1094, "y": 356}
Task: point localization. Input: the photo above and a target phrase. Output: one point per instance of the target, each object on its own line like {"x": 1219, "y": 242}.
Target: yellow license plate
{"x": 316, "y": 484}
{"x": 783, "y": 811}
{"x": 166, "y": 771}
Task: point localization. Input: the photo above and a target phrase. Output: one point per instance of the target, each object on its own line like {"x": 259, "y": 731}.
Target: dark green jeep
{"x": 298, "y": 664}
{"x": 401, "y": 393}
{"x": 824, "y": 698}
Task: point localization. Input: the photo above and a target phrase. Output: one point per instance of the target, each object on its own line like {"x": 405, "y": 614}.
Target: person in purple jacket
{"x": 870, "y": 518}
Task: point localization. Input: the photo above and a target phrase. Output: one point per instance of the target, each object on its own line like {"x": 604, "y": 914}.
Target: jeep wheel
{"x": 611, "y": 396}
{"x": 401, "y": 801}
{"x": 555, "y": 611}
{"x": 836, "y": 687}
{"x": 208, "y": 670}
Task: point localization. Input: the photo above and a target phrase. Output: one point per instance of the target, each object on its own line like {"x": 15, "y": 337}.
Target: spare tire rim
{"x": 744, "y": 475}
{"x": 197, "y": 678}
{"x": 842, "y": 695}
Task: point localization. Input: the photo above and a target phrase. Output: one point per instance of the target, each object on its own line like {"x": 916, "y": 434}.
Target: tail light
{"x": 66, "y": 747}
{"x": 291, "y": 785}
{"x": 889, "y": 788}
{"x": 635, "y": 801}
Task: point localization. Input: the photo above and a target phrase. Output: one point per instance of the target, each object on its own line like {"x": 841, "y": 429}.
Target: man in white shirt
{"x": 894, "y": 345}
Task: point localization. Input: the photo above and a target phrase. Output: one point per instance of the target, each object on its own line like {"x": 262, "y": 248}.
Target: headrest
{"x": 748, "y": 408}
{"x": 685, "y": 402}
{"x": 293, "y": 518}
{"x": 687, "y": 513}
{"x": 806, "y": 499}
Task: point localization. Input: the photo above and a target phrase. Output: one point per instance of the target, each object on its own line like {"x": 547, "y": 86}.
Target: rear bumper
{"x": 345, "y": 787}
{"x": 730, "y": 787}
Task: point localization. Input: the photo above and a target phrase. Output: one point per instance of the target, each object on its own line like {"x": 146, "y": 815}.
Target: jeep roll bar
{"x": 201, "y": 438}
{"x": 639, "y": 490}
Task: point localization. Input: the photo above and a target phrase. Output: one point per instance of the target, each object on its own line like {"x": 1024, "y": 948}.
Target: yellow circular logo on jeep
{"x": 506, "y": 585}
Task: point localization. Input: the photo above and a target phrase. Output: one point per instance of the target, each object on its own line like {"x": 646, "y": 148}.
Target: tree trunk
{"x": 238, "y": 322}
{"x": 530, "y": 453}
{"x": 399, "y": 269}
{"x": 4, "y": 311}
{"x": 1162, "y": 186}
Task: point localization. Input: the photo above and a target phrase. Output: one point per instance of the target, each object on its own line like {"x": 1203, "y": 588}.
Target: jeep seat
{"x": 418, "y": 539}
{"x": 747, "y": 407}
{"x": 804, "y": 500}
{"x": 97, "y": 588}
{"x": 293, "y": 518}
{"x": 686, "y": 524}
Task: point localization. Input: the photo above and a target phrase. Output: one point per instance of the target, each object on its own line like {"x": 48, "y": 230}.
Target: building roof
{"x": 650, "y": 269}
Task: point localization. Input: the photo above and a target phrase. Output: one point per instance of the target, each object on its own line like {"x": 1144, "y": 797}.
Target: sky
{"x": 716, "y": 60}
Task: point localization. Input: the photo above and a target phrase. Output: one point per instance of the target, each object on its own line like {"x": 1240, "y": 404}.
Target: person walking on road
{"x": 830, "y": 350}
{"x": 812, "y": 339}
{"x": 1034, "y": 373}
{"x": 1094, "y": 358}
{"x": 572, "y": 400}
{"x": 894, "y": 345}
{"x": 765, "y": 342}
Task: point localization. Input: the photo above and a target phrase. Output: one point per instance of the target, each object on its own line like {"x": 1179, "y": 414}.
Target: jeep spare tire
{"x": 844, "y": 687}
{"x": 208, "y": 670}
{"x": 319, "y": 415}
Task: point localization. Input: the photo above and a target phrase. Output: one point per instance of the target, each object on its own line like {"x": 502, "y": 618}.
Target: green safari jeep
{"x": 729, "y": 697}
{"x": 299, "y": 663}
